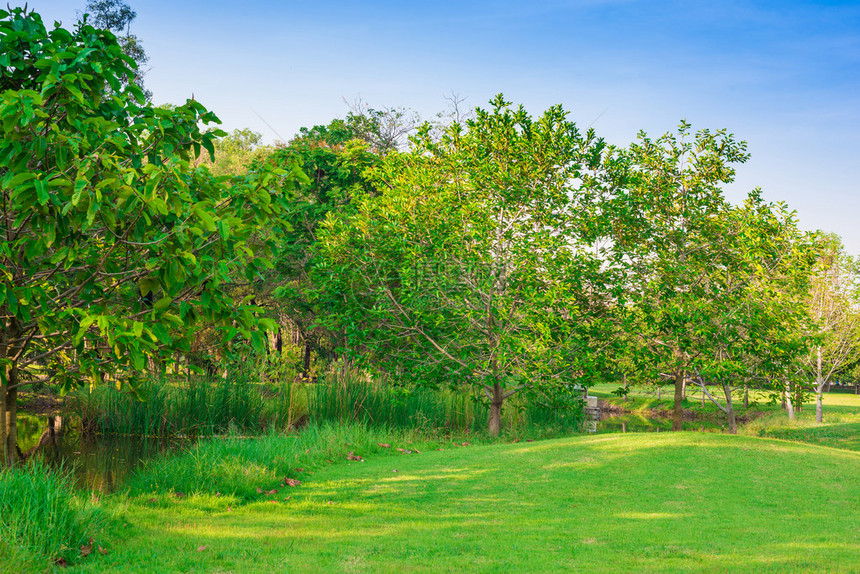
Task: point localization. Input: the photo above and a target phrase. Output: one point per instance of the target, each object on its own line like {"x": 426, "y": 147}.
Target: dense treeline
{"x": 496, "y": 255}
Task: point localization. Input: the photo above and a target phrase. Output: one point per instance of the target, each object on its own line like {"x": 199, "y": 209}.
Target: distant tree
{"x": 236, "y": 153}
{"x": 385, "y": 129}
{"x": 332, "y": 160}
{"x": 750, "y": 329}
{"x": 834, "y": 306}
{"x": 117, "y": 16}
{"x": 114, "y": 245}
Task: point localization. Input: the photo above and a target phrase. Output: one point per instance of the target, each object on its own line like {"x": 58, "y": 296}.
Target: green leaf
{"x": 42, "y": 192}
{"x": 162, "y": 303}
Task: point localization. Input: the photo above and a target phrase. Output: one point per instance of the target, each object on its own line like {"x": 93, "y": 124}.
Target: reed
{"x": 201, "y": 406}
{"x": 44, "y": 521}
{"x": 352, "y": 397}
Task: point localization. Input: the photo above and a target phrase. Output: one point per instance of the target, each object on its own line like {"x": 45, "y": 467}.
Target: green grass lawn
{"x": 667, "y": 502}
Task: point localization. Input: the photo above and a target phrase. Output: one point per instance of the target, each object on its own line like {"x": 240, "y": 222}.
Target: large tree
{"x": 114, "y": 244}
{"x": 748, "y": 323}
{"x": 672, "y": 237}
{"x": 477, "y": 266}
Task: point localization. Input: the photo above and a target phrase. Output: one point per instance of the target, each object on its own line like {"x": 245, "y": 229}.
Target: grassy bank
{"x": 687, "y": 502}
{"x": 44, "y": 521}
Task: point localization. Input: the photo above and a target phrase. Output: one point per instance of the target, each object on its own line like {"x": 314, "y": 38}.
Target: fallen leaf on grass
{"x": 530, "y": 440}
{"x": 179, "y": 495}
{"x": 291, "y": 481}
{"x": 201, "y": 548}
{"x": 86, "y": 550}
{"x": 273, "y": 491}
{"x": 384, "y": 444}
{"x": 395, "y": 470}
{"x": 352, "y": 456}
{"x": 300, "y": 470}
{"x": 259, "y": 490}
{"x": 229, "y": 509}
{"x": 103, "y": 551}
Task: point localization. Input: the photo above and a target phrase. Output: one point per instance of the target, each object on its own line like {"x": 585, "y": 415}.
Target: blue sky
{"x": 784, "y": 76}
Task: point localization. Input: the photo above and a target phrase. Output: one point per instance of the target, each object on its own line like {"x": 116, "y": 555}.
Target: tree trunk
{"x": 10, "y": 424}
{"x": 819, "y": 408}
{"x": 9, "y": 397}
{"x": 678, "y": 412}
{"x": 730, "y": 411}
{"x": 495, "y": 420}
{"x": 789, "y": 405}
{"x": 819, "y": 386}
{"x": 307, "y": 361}
{"x": 6, "y": 461}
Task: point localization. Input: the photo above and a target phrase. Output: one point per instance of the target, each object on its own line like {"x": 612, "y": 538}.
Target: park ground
{"x": 779, "y": 497}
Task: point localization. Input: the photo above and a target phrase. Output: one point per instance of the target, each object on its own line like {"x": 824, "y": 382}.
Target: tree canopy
{"x": 114, "y": 244}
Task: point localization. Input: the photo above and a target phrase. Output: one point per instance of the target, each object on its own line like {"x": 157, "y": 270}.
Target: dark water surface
{"x": 98, "y": 463}
{"x": 102, "y": 463}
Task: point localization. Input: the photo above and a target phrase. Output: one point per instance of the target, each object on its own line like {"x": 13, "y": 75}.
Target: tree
{"x": 476, "y": 266}
{"x": 331, "y": 161}
{"x": 750, "y": 330}
{"x": 833, "y": 306}
{"x": 717, "y": 289}
{"x": 114, "y": 245}
{"x": 672, "y": 238}
{"x": 236, "y": 153}
{"x": 117, "y": 16}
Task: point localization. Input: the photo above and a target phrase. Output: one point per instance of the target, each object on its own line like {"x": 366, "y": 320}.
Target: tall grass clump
{"x": 352, "y": 397}
{"x": 198, "y": 406}
{"x": 43, "y": 521}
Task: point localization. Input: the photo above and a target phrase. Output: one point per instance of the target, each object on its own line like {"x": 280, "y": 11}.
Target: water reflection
{"x": 98, "y": 463}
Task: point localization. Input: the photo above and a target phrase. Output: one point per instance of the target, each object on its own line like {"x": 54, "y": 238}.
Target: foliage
{"x": 476, "y": 266}
{"x": 43, "y": 521}
{"x": 332, "y": 159}
{"x": 115, "y": 245}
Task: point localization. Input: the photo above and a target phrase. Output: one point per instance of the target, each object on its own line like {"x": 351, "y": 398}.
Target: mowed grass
{"x": 667, "y": 502}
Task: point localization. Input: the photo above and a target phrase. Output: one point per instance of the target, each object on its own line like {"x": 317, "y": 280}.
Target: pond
{"x": 102, "y": 463}
{"x": 97, "y": 463}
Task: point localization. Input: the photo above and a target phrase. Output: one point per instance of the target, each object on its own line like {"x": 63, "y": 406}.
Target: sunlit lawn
{"x": 685, "y": 502}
